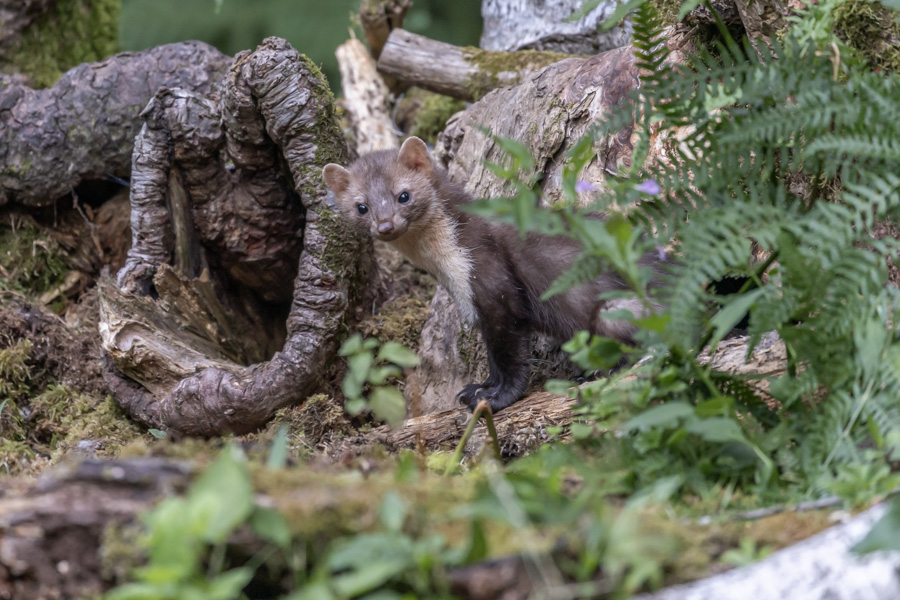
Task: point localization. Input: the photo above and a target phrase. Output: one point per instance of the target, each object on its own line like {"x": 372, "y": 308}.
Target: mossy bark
{"x": 41, "y": 40}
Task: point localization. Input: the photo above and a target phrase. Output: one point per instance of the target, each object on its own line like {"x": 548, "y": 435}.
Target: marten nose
{"x": 385, "y": 227}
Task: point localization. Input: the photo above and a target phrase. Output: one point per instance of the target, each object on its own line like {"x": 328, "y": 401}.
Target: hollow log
{"x": 365, "y": 99}
{"x": 459, "y": 72}
{"x": 241, "y": 176}
{"x": 83, "y": 127}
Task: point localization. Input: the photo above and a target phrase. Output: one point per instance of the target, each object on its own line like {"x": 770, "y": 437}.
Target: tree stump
{"x": 227, "y": 187}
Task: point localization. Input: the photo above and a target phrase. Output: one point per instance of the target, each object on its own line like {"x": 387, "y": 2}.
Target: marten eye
{"x": 403, "y": 198}
{"x": 362, "y": 209}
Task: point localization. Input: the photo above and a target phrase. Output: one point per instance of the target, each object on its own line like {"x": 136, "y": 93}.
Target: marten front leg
{"x": 507, "y": 342}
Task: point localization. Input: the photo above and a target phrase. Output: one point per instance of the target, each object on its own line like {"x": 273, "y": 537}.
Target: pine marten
{"x": 495, "y": 276}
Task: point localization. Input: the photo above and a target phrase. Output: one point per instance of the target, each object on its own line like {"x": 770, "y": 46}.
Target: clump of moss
{"x": 30, "y": 263}
{"x": 871, "y": 29}
{"x": 69, "y": 33}
{"x": 319, "y": 416}
{"x": 398, "y": 320}
{"x": 433, "y": 115}
{"x": 41, "y": 418}
{"x": 498, "y": 69}
{"x": 666, "y": 11}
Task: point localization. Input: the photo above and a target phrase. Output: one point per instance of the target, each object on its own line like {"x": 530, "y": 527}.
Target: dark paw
{"x": 497, "y": 397}
{"x": 472, "y": 393}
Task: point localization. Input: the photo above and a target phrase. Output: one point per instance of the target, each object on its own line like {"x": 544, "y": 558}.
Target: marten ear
{"x": 414, "y": 156}
{"x": 337, "y": 178}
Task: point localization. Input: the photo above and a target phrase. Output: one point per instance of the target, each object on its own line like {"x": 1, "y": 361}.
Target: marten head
{"x": 387, "y": 193}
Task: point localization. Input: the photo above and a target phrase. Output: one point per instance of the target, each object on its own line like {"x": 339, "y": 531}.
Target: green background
{"x": 314, "y": 27}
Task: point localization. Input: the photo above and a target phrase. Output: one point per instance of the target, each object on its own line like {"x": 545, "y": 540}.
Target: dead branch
{"x": 465, "y": 73}
{"x": 365, "y": 99}
{"x": 379, "y": 18}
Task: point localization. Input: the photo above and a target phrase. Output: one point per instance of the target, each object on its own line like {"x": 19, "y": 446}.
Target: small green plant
{"x": 746, "y": 553}
{"x": 186, "y": 538}
{"x": 373, "y": 364}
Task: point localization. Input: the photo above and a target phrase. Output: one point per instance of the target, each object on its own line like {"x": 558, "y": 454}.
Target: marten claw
{"x": 474, "y": 392}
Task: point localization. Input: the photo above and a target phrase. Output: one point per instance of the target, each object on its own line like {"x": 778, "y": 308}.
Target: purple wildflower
{"x": 649, "y": 186}
{"x": 661, "y": 252}
{"x": 584, "y": 186}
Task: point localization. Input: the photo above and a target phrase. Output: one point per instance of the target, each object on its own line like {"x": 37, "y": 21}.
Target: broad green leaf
{"x": 731, "y": 314}
{"x": 279, "y": 448}
{"x": 157, "y": 433}
{"x": 558, "y": 386}
{"x": 387, "y": 404}
{"x": 885, "y": 534}
{"x": 173, "y": 548}
{"x": 520, "y": 152}
{"x": 142, "y": 591}
{"x": 668, "y": 413}
{"x": 351, "y": 345}
{"x": 392, "y": 514}
{"x": 355, "y": 406}
{"x": 398, "y": 354}
{"x": 222, "y": 498}
{"x": 581, "y": 431}
{"x": 656, "y": 322}
{"x": 228, "y": 585}
{"x": 358, "y": 367}
{"x": 378, "y": 375}
{"x": 368, "y": 577}
{"x": 269, "y": 524}
{"x": 717, "y": 430}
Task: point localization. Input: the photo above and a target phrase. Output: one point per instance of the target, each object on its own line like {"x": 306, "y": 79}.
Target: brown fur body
{"x": 495, "y": 276}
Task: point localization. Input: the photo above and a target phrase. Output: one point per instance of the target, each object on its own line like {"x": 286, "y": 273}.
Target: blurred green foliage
{"x": 313, "y": 27}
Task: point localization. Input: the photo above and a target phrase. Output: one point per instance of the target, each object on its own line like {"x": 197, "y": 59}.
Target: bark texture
{"x": 540, "y": 25}
{"x": 240, "y": 221}
{"x": 84, "y": 126}
{"x": 459, "y": 72}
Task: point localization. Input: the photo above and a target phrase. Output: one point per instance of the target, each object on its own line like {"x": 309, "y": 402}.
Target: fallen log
{"x": 522, "y": 427}
{"x": 83, "y": 127}
{"x": 459, "y": 72}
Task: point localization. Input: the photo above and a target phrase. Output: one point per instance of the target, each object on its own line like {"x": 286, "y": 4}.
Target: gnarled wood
{"x": 254, "y": 224}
